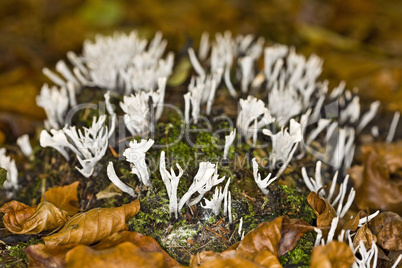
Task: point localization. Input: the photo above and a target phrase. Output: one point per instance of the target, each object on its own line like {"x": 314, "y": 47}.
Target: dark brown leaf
{"x": 292, "y": 231}
{"x": 387, "y": 227}
{"x": 379, "y": 188}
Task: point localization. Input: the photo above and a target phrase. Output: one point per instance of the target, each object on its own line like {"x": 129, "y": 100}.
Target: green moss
{"x": 250, "y": 221}
{"x": 294, "y": 204}
{"x": 153, "y": 217}
{"x": 301, "y": 254}
{"x": 17, "y": 253}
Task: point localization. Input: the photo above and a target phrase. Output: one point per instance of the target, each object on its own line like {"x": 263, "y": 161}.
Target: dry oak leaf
{"x": 94, "y": 225}
{"x": 380, "y": 186}
{"x": 144, "y": 242}
{"x": 334, "y": 255}
{"x": 364, "y": 234}
{"x": 387, "y": 227}
{"x": 22, "y": 219}
{"x": 125, "y": 255}
{"x": 322, "y": 208}
{"x": 64, "y": 197}
{"x": 40, "y": 255}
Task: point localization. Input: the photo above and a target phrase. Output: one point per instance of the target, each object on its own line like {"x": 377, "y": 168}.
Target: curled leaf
{"x": 334, "y": 255}
{"x": 64, "y": 197}
{"x": 94, "y": 225}
{"x": 22, "y": 219}
{"x": 123, "y": 255}
{"x": 387, "y": 227}
{"x": 322, "y": 208}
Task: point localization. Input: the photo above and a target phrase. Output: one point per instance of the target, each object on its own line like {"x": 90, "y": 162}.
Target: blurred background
{"x": 359, "y": 40}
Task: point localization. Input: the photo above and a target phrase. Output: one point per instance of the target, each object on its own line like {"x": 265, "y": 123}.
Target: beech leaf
{"x": 22, "y": 219}
{"x": 265, "y": 236}
{"x": 387, "y": 227}
{"x": 378, "y": 189}
{"x": 334, "y": 255}
{"x": 94, "y": 225}
{"x": 353, "y": 223}
{"x": 123, "y": 255}
{"x": 40, "y": 255}
{"x": 292, "y": 231}
{"x": 231, "y": 262}
{"x": 364, "y": 234}
{"x": 144, "y": 242}
{"x": 64, "y": 197}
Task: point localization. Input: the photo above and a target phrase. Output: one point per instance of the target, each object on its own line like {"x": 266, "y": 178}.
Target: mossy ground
{"x": 196, "y": 229}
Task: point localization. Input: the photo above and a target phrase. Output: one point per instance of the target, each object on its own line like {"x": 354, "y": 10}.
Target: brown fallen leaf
{"x": 123, "y": 255}
{"x": 352, "y": 223}
{"x": 274, "y": 239}
{"x": 40, "y": 255}
{"x": 16, "y": 211}
{"x": 387, "y": 227}
{"x": 366, "y": 236}
{"x": 292, "y": 231}
{"x": 144, "y": 242}
{"x": 22, "y": 219}
{"x": 265, "y": 236}
{"x": 323, "y": 209}
{"x": 334, "y": 255}
{"x": 64, "y": 197}
{"x": 230, "y": 262}
{"x": 267, "y": 259}
{"x": 203, "y": 257}
{"x": 94, "y": 225}
{"x": 380, "y": 186}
